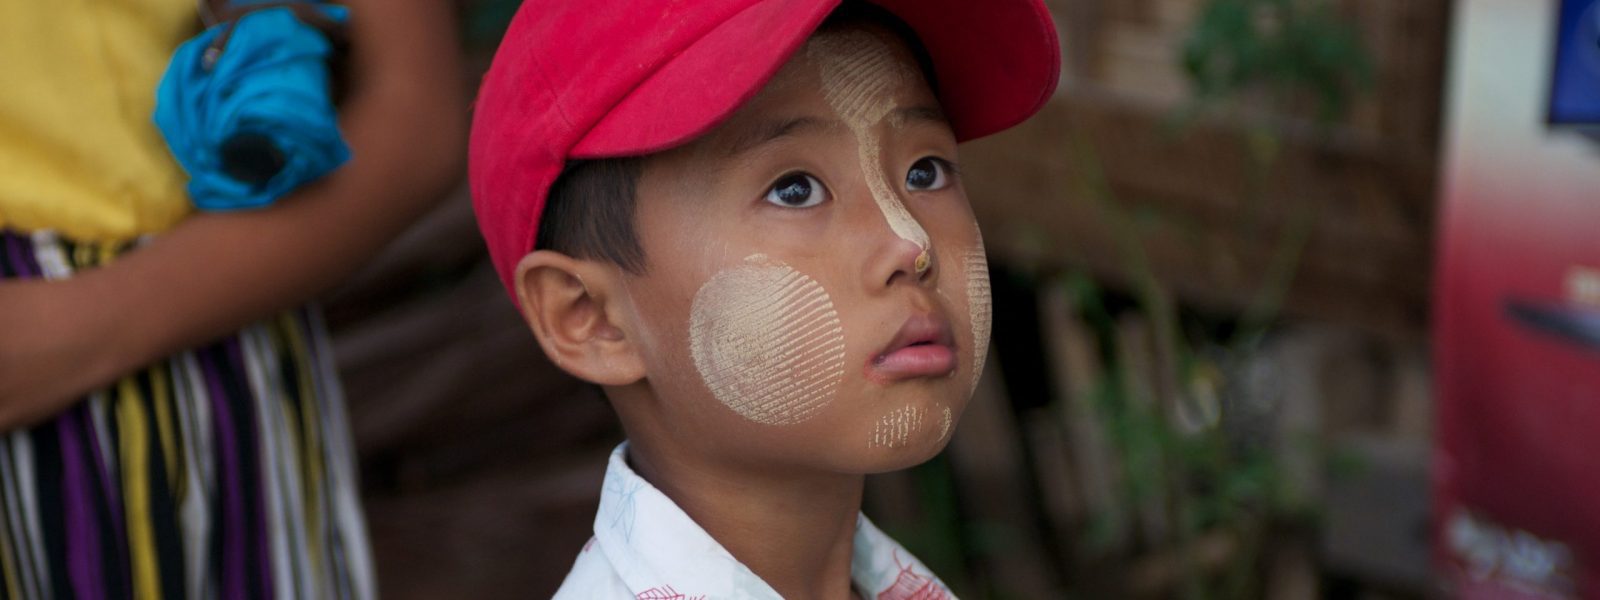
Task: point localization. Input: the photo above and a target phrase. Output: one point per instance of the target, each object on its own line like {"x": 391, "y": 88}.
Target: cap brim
{"x": 997, "y": 62}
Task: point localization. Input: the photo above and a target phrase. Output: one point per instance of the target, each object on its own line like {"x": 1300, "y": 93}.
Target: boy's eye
{"x": 927, "y": 174}
{"x": 797, "y": 190}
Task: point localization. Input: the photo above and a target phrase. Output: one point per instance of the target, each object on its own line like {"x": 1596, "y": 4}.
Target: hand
{"x": 405, "y": 122}
{"x": 52, "y": 349}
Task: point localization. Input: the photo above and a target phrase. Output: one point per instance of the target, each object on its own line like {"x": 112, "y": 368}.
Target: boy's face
{"x": 817, "y": 293}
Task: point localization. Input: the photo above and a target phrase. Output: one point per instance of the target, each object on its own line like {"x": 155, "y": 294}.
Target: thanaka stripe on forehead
{"x": 859, "y": 73}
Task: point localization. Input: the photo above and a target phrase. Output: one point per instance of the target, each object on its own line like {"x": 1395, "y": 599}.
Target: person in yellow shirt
{"x": 170, "y": 425}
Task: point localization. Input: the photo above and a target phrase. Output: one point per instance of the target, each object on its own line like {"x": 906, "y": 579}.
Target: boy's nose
{"x": 900, "y": 260}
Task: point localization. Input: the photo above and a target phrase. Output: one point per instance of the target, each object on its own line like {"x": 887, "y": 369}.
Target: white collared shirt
{"x": 646, "y": 548}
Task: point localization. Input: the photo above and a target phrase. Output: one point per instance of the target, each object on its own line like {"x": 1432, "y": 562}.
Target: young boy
{"x": 742, "y": 219}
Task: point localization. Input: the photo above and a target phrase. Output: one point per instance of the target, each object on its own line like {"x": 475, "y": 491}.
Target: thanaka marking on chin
{"x": 894, "y": 429}
{"x": 767, "y": 341}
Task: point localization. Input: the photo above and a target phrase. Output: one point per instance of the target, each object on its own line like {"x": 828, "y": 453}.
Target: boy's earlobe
{"x": 563, "y": 301}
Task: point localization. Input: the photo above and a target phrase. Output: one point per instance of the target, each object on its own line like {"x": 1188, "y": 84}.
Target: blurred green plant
{"x": 1240, "y": 54}
{"x": 1284, "y": 47}
{"x": 1280, "y": 53}
{"x": 1277, "y": 51}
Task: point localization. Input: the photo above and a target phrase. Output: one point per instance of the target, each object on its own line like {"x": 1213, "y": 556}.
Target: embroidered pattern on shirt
{"x": 911, "y": 585}
{"x": 665, "y": 593}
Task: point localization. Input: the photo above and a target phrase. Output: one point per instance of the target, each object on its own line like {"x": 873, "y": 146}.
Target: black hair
{"x": 589, "y": 211}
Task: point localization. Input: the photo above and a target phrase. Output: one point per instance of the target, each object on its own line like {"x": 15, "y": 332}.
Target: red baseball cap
{"x": 584, "y": 79}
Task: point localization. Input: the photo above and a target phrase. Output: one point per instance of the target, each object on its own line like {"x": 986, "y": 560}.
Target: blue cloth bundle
{"x": 252, "y": 118}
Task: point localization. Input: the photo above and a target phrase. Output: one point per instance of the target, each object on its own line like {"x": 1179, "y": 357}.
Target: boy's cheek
{"x": 974, "y": 272}
{"x": 767, "y": 341}
{"x": 761, "y": 341}
{"x": 964, "y": 287}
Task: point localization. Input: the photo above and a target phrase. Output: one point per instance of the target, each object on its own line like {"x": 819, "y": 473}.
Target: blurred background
{"x": 1213, "y": 256}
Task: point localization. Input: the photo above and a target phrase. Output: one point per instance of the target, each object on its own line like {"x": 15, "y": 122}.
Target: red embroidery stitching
{"x": 910, "y": 585}
{"x": 665, "y": 593}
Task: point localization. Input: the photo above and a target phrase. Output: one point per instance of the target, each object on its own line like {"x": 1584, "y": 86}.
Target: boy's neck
{"x": 794, "y": 531}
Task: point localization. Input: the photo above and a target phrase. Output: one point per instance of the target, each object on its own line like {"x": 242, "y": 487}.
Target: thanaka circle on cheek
{"x": 860, "y": 73}
{"x": 767, "y": 342}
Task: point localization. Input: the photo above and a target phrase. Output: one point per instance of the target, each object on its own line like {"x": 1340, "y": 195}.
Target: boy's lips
{"x": 924, "y": 347}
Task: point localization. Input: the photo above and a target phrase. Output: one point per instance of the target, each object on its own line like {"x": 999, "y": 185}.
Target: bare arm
{"x": 405, "y": 121}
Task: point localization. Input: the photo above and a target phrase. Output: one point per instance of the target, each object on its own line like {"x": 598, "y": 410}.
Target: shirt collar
{"x": 655, "y": 547}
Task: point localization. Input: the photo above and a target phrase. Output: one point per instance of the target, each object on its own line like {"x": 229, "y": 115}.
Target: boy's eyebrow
{"x": 920, "y": 114}
{"x": 772, "y": 130}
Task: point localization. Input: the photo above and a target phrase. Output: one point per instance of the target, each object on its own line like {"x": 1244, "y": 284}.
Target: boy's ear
{"x": 564, "y": 301}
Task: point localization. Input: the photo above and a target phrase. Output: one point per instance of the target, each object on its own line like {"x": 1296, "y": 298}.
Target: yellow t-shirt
{"x": 78, "y": 151}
